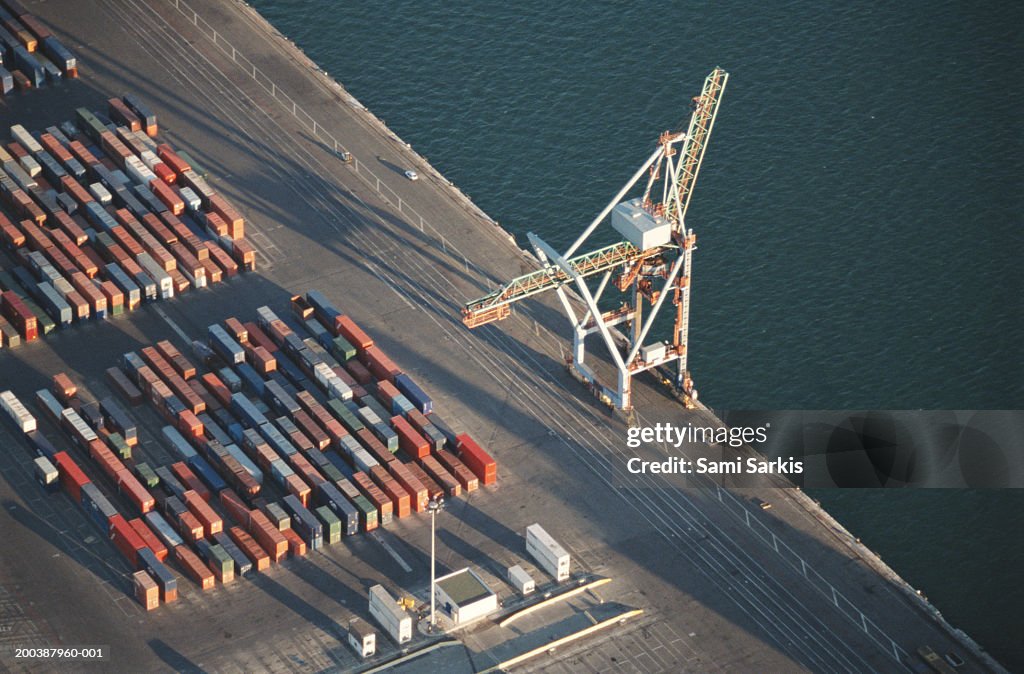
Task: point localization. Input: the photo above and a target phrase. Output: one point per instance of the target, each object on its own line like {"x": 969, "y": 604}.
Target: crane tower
{"x": 651, "y": 264}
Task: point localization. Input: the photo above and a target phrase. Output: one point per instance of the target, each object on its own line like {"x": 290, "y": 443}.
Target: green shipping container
{"x": 367, "y": 513}
{"x": 332, "y": 525}
{"x": 43, "y": 320}
{"x": 342, "y": 349}
{"x": 120, "y": 447}
{"x": 350, "y": 421}
{"x": 147, "y": 475}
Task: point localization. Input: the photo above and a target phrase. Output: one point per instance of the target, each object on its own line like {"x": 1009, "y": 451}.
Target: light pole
{"x": 434, "y": 506}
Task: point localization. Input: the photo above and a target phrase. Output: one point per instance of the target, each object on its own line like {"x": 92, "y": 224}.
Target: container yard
{"x": 102, "y": 223}
{"x": 261, "y": 476}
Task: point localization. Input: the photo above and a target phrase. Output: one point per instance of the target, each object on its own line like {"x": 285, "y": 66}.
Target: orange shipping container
{"x": 190, "y": 527}
{"x": 194, "y": 568}
{"x": 211, "y": 521}
{"x": 146, "y": 591}
{"x": 249, "y": 547}
{"x": 296, "y": 546}
{"x": 269, "y": 538}
{"x": 149, "y": 538}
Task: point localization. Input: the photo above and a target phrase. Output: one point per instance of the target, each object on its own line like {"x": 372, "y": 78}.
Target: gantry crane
{"x": 658, "y": 249}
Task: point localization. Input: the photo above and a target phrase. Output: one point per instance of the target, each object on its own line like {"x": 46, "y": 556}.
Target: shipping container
{"x": 242, "y": 564}
{"x": 17, "y": 412}
{"x": 146, "y": 591}
{"x": 194, "y": 568}
{"x": 252, "y": 550}
{"x": 165, "y": 580}
{"x": 476, "y": 459}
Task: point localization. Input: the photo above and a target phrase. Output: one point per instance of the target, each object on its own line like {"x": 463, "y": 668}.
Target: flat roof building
{"x": 464, "y": 596}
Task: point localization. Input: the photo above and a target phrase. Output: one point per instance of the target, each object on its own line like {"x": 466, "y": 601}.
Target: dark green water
{"x": 858, "y": 214}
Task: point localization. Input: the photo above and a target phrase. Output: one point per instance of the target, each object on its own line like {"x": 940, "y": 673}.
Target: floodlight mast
{"x": 653, "y": 262}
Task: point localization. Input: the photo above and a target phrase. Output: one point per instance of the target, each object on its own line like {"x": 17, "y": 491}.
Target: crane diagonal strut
{"x": 494, "y": 306}
{"x": 651, "y": 263}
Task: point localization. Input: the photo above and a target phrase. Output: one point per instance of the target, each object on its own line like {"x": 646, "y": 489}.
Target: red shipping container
{"x": 216, "y": 387}
{"x": 185, "y": 474}
{"x": 298, "y": 488}
{"x": 164, "y": 173}
{"x": 249, "y": 547}
{"x": 190, "y": 526}
{"x": 379, "y": 364}
{"x": 189, "y": 424}
{"x": 347, "y": 328}
{"x": 269, "y": 538}
{"x": 168, "y": 196}
{"x": 235, "y": 506}
{"x": 119, "y": 112}
{"x": 125, "y": 539}
{"x": 259, "y": 338}
{"x": 222, "y": 259}
{"x": 410, "y": 442}
{"x": 374, "y": 446}
{"x": 64, "y": 388}
{"x": 296, "y": 546}
{"x": 359, "y": 372}
{"x": 418, "y": 496}
{"x": 434, "y": 490}
{"x": 476, "y": 459}
{"x": 464, "y": 475}
{"x": 312, "y": 431}
{"x": 129, "y": 485}
{"x": 211, "y": 521}
{"x": 262, "y": 360}
{"x": 194, "y": 568}
{"x": 244, "y": 254}
{"x": 172, "y": 159}
{"x": 394, "y": 491}
{"x": 376, "y": 496}
{"x": 216, "y": 225}
{"x": 434, "y": 469}
{"x": 71, "y": 476}
{"x": 149, "y": 538}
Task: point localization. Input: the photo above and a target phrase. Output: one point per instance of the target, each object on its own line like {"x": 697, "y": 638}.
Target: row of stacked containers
{"x": 98, "y": 218}
{"x": 30, "y": 55}
{"x": 349, "y": 442}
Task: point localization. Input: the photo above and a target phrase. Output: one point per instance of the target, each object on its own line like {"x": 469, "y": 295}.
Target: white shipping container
{"x": 192, "y": 201}
{"x": 21, "y": 416}
{"x": 521, "y": 580}
{"x": 45, "y": 472}
{"x": 150, "y": 159}
{"x": 30, "y": 165}
{"x": 551, "y": 556}
{"x": 385, "y": 610}
{"x": 339, "y": 388}
{"x": 138, "y": 171}
{"x": 100, "y": 193}
{"x": 25, "y": 139}
{"x": 157, "y": 273}
{"x": 363, "y": 461}
{"x": 144, "y": 139}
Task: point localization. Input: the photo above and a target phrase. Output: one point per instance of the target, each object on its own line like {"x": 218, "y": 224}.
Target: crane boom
{"x": 494, "y": 306}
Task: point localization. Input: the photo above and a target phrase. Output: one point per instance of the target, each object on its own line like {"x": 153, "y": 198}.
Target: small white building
{"x": 464, "y": 596}
{"x": 362, "y": 638}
